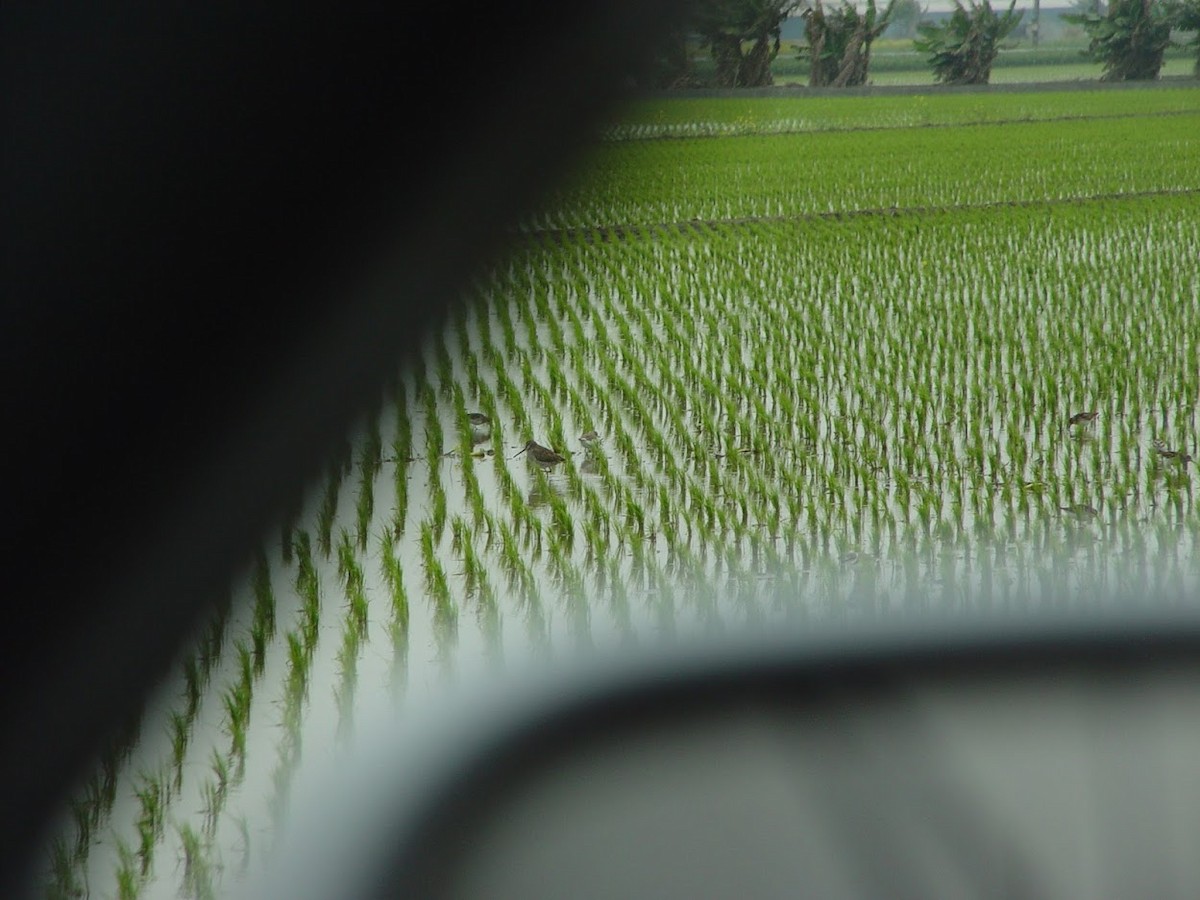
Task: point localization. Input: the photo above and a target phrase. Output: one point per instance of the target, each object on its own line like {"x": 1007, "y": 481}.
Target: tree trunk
{"x": 756, "y": 66}
{"x": 727, "y": 54}
{"x": 816, "y": 74}
{"x": 853, "y": 71}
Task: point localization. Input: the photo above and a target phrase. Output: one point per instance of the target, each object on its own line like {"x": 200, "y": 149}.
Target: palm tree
{"x": 726, "y": 27}
{"x": 839, "y": 42}
{"x": 1130, "y": 38}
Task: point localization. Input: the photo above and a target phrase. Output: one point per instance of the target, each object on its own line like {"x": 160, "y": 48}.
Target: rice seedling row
{"x": 684, "y": 117}
{"x": 755, "y": 176}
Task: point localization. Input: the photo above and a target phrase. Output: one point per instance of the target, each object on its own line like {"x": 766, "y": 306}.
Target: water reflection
{"x": 544, "y": 491}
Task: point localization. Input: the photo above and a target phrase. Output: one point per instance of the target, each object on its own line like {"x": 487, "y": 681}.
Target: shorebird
{"x": 1084, "y": 418}
{"x": 481, "y": 427}
{"x": 589, "y": 438}
{"x": 1081, "y": 510}
{"x": 540, "y": 454}
{"x": 1180, "y": 456}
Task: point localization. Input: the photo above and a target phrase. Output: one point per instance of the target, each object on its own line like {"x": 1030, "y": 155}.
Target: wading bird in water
{"x": 540, "y": 454}
{"x": 1180, "y": 456}
{"x": 481, "y": 427}
{"x": 1084, "y": 418}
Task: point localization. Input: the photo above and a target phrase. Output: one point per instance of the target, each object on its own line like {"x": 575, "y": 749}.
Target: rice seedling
{"x": 179, "y": 732}
{"x": 365, "y": 505}
{"x": 347, "y": 660}
{"x": 400, "y": 486}
{"x": 437, "y": 515}
{"x": 353, "y": 582}
{"x": 245, "y": 683}
{"x": 217, "y": 790}
{"x": 286, "y": 529}
{"x": 299, "y": 659}
{"x": 445, "y": 609}
{"x": 212, "y": 640}
{"x": 129, "y": 880}
{"x": 263, "y": 627}
{"x": 87, "y": 811}
{"x": 150, "y": 820}
{"x": 434, "y": 441}
{"x": 328, "y": 510}
{"x": 193, "y": 685}
{"x": 63, "y": 879}
{"x": 236, "y": 703}
{"x": 371, "y": 452}
{"x": 199, "y": 878}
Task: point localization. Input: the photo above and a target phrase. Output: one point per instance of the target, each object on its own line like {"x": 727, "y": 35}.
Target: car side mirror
{"x": 1040, "y": 759}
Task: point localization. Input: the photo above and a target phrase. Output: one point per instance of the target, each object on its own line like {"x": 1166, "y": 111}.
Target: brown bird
{"x": 1084, "y": 418}
{"x": 481, "y": 427}
{"x": 1180, "y": 456}
{"x": 540, "y": 454}
{"x": 1082, "y": 510}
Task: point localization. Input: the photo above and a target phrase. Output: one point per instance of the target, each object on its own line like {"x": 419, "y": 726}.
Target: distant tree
{"x": 743, "y": 37}
{"x": 906, "y": 16}
{"x": 1130, "y": 38}
{"x": 963, "y": 48}
{"x": 1187, "y": 18}
{"x": 672, "y": 63}
{"x": 838, "y": 43}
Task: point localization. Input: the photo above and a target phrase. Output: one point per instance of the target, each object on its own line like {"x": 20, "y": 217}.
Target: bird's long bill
{"x": 518, "y": 453}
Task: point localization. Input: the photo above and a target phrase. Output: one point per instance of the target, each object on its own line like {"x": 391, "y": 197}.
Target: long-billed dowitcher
{"x": 540, "y": 454}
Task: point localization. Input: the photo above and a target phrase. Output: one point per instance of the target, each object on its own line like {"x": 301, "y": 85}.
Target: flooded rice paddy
{"x": 777, "y": 383}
